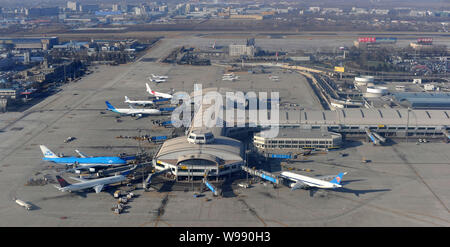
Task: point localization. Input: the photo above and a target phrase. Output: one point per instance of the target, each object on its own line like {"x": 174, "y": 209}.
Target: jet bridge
{"x": 262, "y": 174}
{"x": 372, "y": 137}
{"x": 210, "y": 187}
{"x": 151, "y": 175}
{"x": 379, "y": 137}
{"x": 112, "y": 171}
{"x": 445, "y": 132}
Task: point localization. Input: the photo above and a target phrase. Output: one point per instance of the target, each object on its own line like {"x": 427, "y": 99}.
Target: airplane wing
{"x": 58, "y": 187}
{"x": 82, "y": 155}
{"x": 298, "y": 185}
{"x": 83, "y": 167}
{"x": 98, "y": 188}
{"x": 327, "y": 177}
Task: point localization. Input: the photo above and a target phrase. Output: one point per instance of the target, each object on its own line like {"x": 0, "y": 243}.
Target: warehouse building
{"x": 241, "y": 50}
{"x": 44, "y": 43}
{"x": 423, "y": 100}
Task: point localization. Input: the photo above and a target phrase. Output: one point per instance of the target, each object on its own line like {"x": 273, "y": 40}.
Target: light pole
{"x": 407, "y": 125}
{"x": 246, "y": 163}
{"x": 192, "y": 176}
{"x": 139, "y": 157}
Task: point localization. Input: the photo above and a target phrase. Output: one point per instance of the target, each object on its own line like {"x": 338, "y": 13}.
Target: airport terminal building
{"x": 352, "y": 122}
{"x": 219, "y": 157}
{"x": 212, "y": 151}
{"x": 203, "y": 152}
{"x": 291, "y": 139}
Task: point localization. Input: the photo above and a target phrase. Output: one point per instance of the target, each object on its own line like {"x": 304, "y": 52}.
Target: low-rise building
{"x": 241, "y": 50}
{"x": 291, "y": 139}
{"x": 8, "y": 93}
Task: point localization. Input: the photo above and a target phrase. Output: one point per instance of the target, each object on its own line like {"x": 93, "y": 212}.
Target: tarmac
{"x": 404, "y": 184}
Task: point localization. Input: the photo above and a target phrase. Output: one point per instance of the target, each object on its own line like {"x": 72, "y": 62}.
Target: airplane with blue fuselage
{"x": 84, "y": 161}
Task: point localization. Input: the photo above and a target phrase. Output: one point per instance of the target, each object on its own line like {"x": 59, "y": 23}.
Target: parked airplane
{"x": 84, "y": 161}
{"x": 138, "y": 102}
{"x": 160, "y": 76}
{"x": 228, "y": 78}
{"x": 303, "y": 182}
{"x": 96, "y": 184}
{"x": 274, "y": 78}
{"x": 132, "y": 111}
{"x": 156, "y": 80}
{"x": 157, "y": 94}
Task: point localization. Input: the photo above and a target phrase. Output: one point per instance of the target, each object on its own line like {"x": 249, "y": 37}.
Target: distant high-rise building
{"x": 116, "y": 7}
{"x": 188, "y": 9}
{"x": 163, "y": 8}
{"x": 26, "y": 57}
{"x": 72, "y": 5}
{"x": 137, "y": 10}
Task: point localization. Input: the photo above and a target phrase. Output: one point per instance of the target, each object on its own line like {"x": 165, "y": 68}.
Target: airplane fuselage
{"x": 160, "y": 76}
{"x": 101, "y": 161}
{"x": 160, "y": 95}
{"x": 139, "y": 102}
{"x": 309, "y": 181}
{"x": 136, "y": 111}
{"x": 93, "y": 183}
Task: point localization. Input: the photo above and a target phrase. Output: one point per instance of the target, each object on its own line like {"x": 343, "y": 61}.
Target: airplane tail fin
{"x": 63, "y": 183}
{"x": 47, "y": 152}
{"x": 338, "y": 178}
{"x": 149, "y": 90}
{"x": 110, "y": 107}
{"x": 126, "y": 99}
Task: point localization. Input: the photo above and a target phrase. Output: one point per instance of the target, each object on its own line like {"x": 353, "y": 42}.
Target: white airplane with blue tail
{"x": 132, "y": 111}
{"x": 160, "y": 76}
{"x": 304, "y": 182}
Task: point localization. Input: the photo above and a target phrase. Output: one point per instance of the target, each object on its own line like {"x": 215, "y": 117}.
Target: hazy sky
{"x": 329, "y": 3}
